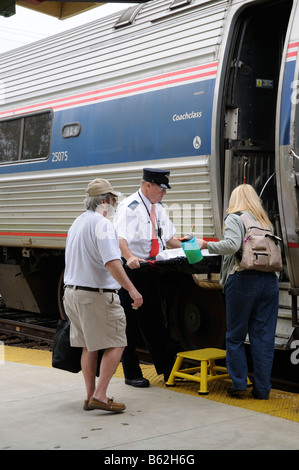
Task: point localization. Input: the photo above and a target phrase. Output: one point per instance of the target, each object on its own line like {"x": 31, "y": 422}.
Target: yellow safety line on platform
{"x": 280, "y": 404}
{"x": 34, "y": 357}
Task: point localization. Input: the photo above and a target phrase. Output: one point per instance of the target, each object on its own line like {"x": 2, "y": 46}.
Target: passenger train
{"x": 207, "y": 89}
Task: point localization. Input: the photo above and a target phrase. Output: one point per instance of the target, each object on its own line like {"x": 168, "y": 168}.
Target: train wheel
{"x": 199, "y": 318}
{"x": 60, "y": 292}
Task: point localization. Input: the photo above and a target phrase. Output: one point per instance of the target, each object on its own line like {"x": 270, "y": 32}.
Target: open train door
{"x": 287, "y": 156}
{"x": 254, "y": 56}
{"x": 287, "y": 148}
{"x": 261, "y": 116}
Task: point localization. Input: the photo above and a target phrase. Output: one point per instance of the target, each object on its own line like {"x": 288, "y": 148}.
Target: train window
{"x": 71, "y": 130}
{"x": 36, "y": 136}
{"x": 9, "y": 140}
{"x": 25, "y": 138}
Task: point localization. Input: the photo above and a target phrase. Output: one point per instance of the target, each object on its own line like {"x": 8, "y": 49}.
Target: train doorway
{"x": 251, "y": 98}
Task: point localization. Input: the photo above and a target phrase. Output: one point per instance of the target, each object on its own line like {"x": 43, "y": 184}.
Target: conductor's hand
{"x": 134, "y": 262}
{"x": 136, "y": 297}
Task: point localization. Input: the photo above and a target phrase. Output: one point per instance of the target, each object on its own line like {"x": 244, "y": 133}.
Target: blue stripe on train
{"x": 284, "y": 136}
{"x": 169, "y": 123}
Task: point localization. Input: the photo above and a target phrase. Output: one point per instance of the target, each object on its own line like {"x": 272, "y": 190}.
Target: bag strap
{"x": 238, "y": 254}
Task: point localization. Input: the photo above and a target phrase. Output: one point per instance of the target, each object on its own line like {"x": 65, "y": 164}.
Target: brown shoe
{"x": 85, "y": 405}
{"x": 95, "y": 404}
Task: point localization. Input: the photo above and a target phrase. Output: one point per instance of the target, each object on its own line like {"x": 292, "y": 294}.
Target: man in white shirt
{"x": 93, "y": 275}
{"x": 144, "y": 229}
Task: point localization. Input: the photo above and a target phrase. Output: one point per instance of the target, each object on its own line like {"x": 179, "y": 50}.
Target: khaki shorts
{"x": 97, "y": 319}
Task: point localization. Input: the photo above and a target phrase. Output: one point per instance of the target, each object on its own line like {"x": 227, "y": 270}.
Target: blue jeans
{"x": 251, "y": 307}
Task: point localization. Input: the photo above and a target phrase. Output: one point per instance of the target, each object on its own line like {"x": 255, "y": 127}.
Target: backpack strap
{"x": 235, "y": 213}
{"x": 248, "y": 221}
{"x": 238, "y": 254}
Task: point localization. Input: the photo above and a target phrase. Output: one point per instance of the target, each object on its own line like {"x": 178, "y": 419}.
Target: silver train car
{"x": 207, "y": 89}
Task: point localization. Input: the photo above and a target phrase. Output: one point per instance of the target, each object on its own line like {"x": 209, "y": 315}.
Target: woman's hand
{"x": 202, "y": 243}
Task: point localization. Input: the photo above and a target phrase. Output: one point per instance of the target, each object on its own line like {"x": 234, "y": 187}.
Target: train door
{"x": 250, "y": 100}
{"x": 288, "y": 151}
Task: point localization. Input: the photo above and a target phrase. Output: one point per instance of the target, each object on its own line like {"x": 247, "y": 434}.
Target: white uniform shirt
{"x": 91, "y": 242}
{"x": 132, "y": 222}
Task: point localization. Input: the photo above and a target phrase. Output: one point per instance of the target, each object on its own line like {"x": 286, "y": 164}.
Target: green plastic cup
{"x": 192, "y": 250}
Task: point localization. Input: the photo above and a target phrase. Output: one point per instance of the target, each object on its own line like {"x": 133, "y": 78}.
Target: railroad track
{"x": 20, "y": 328}
{"x": 31, "y": 331}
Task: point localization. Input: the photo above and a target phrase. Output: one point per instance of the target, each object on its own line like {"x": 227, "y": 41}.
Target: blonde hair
{"x": 245, "y": 198}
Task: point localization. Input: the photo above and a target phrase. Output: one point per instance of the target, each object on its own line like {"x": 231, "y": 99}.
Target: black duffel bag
{"x": 65, "y": 356}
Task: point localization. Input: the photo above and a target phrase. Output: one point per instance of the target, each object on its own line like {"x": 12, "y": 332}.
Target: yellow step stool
{"x": 208, "y": 370}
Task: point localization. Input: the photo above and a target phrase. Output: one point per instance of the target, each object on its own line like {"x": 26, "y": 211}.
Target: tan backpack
{"x": 260, "y": 250}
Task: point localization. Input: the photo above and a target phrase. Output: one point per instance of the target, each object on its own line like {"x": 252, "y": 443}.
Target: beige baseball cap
{"x": 99, "y": 186}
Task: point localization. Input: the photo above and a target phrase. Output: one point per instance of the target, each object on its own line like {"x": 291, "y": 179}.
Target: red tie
{"x": 155, "y": 242}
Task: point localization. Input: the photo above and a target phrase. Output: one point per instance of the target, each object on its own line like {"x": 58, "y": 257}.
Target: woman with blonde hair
{"x": 245, "y": 198}
{"x": 251, "y": 298}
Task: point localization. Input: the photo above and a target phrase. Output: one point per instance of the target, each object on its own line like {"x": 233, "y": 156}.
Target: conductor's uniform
{"x": 136, "y": 224}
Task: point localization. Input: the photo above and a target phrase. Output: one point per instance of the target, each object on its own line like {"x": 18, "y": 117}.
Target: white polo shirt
{"x": 132, "y": 222}
{"x": 92, "y": 241}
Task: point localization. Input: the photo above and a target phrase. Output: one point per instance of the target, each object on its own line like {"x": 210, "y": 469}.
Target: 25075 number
{"x": 60, "y": 156}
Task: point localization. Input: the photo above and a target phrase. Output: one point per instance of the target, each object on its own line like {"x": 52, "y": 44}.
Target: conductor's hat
{"x": 158, "y": 176}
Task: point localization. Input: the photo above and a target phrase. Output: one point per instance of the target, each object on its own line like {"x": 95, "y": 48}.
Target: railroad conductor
{"x": 144, "y": 229}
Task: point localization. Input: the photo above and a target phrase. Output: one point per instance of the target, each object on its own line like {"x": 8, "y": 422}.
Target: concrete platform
{"x": 41, "y": 408}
